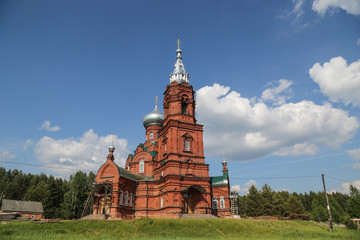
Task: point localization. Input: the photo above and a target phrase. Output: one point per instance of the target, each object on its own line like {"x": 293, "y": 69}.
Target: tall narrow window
{"x": 184, "y": 105}
{"x": 165, "y": 147}
{"x": 141, "y": 166}
{"x": 187, "y": 145}
{"x": 161, "y": 202}
{"x": 130, "y": 202}
{"x": 222, "y": 203}
{"x": 126, "y": 200}
{"x": 121, "y": 202}
{"x": 215, "y": 203}
{"x": 151, "y": 135}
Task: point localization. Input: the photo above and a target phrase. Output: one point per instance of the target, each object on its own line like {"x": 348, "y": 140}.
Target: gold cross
{"x": 178, "y": 43}
{"x": 156, "y": 100}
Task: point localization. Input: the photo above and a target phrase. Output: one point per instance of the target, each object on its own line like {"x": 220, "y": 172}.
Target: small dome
{"x": 111, "y": 148}
{"x": 154, "y": 118}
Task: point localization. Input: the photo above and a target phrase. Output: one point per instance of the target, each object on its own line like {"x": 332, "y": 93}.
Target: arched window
{"x": 121, "y": 200}
{"x": 184, "y": 105}
{"x": 222, "y": 203}
{"x": 126, "y": 200}
{"x": 214, "y": 203}
{"x": 141, "y": 166}
{"x": 151, "y": 135}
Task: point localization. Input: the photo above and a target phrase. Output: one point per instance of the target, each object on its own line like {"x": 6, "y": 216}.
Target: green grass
{"x": 173, "y": 229}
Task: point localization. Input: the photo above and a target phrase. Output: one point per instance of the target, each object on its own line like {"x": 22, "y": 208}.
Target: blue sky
{"x": 277, "y": 82}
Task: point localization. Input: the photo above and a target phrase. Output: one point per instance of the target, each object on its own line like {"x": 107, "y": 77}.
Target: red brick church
{"x": 166, "y": 176}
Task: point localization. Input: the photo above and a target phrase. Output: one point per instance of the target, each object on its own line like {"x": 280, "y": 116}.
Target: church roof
{"x": 220, "y": 180}
{"x": 21, "y": 206}
{"x": 129, "y": 175}
{"x": 154, "y": 118}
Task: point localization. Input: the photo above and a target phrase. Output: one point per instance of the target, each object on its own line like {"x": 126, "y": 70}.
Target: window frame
{"x": 222, "y": 202}
{"x": 141, "y": 166}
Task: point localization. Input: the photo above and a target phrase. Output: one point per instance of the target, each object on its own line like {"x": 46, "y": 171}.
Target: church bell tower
{"x": 181, "y": 138}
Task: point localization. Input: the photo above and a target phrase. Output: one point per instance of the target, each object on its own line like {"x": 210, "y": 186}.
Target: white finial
{"x": 179, "y": 75}
{"x": 224, "y": 161}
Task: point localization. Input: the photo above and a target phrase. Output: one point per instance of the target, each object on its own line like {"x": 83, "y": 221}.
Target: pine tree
{"x": 294, "y": 206}
{"x": 253, "y": 203}
{"x": 353, "y": 204}
{"x": 267, "y": 199}
{"x": 279, "y": 208}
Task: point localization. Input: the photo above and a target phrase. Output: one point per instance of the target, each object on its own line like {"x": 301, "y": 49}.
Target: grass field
{"x": 173, "y": 229}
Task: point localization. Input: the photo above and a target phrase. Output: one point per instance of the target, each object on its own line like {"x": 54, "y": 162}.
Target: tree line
{"x": 60, "y": 198}
{"x": 66, "y": 198}
{"x": 267, "y": 202}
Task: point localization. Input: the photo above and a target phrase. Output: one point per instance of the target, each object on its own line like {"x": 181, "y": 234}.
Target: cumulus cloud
{"x": 355, "y": 154}
{"x": 235, "y": 188}
{"x": 350, "y": 6}
{"x": 345, "y": 186}
{"x": 88, "y": 152}
{"x": 247, "y": 131}
{"x": 6, "y": 155}
{"x": 245, "y": 189}
{"x": 47, "y": 126}
{"x": 338, "y": 80}
{"x": 277, "y": 94}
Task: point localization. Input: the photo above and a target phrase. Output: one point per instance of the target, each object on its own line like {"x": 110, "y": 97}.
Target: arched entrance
{"x": 192, "y": 196}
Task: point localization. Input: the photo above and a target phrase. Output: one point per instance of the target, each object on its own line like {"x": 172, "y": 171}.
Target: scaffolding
{"x": 102, "y": 191}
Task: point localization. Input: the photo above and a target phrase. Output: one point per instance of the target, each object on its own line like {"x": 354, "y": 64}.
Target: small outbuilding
{"x": 24, "y": 209}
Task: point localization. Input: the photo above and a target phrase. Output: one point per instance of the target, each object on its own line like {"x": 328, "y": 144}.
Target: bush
{"x": 302, "y": 217}
{"x": 350, "y": 224}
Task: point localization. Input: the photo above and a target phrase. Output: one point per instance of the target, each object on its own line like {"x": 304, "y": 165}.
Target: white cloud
{"x": 297, "y": 11}
{"x": 338, "y": 80}
{"x": 274, "y": 94}
{"x": 247, "y": 186}
{"x": 350, "y": 6}
{"x": 6, "y": 155}
{"x": 28, "y": 144}
{"x": 358, "y": 41}
{"x": 245, "y": 189}
{"x": 355, "y": 154}
{"x": 250, "y": 183}
{"x": 345, "y": 186}
{"x": 88, "y": 152}
{"x": 235, "y": 188}
{"x": 248, "y": 131}
{"x": 47, "y": 126}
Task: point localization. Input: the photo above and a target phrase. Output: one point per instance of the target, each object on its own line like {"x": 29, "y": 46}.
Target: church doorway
{"x": 192, "y": 196}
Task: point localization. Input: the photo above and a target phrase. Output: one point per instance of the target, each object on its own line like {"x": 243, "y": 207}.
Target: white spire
{"x": 179, "y": 75}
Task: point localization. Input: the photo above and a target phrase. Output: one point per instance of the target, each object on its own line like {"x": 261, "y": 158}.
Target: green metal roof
{"x": 153, "y": 154}
{"x": 129, "y": 175}
{"x": 220, "y": 180}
